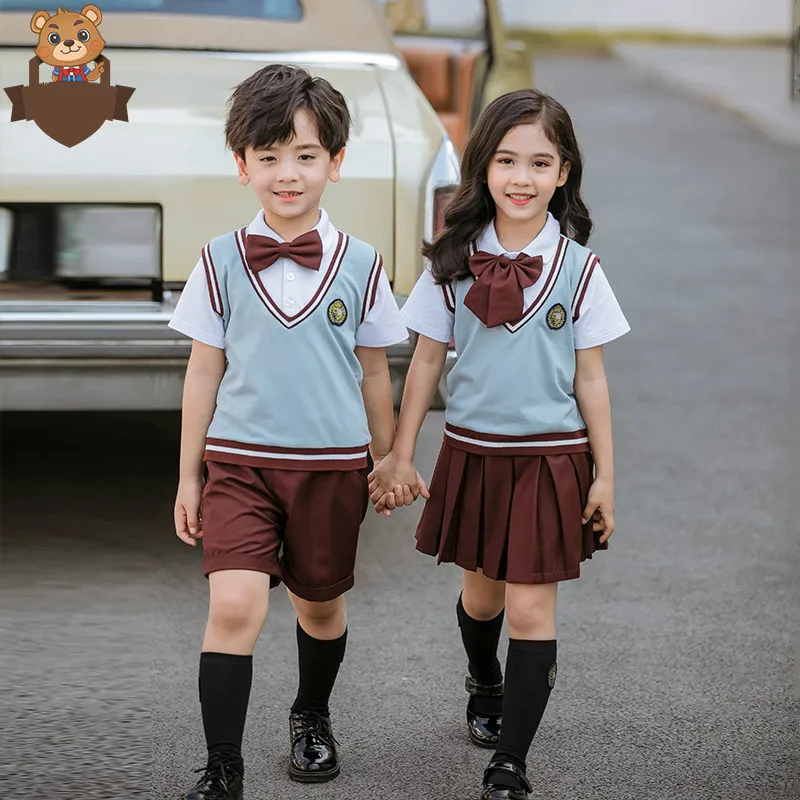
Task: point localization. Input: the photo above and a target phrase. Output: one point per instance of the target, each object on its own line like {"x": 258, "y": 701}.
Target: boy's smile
{"x": 289, "y": 178}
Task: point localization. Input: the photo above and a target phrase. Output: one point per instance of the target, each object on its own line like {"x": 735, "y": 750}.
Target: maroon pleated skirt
{"x": 518, "y": 518}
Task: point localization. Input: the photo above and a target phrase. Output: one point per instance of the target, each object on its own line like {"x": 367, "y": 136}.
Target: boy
{"x": 287, "y": 387}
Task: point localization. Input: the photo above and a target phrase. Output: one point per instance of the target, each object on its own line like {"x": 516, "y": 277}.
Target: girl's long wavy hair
{"x": 472, "y": 208}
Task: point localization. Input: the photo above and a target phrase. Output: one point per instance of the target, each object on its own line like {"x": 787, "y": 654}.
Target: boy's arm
{"x": 591, "y": 392}
{"x": 376, "y": 389}
{"x": 398, "y": 470}
{"x": 203, "y": 375}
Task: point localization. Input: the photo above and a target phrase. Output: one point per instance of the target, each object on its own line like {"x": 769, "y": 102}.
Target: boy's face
{"x": 289, "y": 178}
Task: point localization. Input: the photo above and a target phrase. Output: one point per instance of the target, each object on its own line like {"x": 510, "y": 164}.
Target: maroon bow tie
{"x": 497, "y": 295}
{"x": 264, "y": 251}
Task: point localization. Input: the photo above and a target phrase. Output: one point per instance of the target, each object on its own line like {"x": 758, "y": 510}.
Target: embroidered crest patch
{"x": 556, "y": 317}
{"x": 337, "y": 313}
{"x": 551, "y": 675}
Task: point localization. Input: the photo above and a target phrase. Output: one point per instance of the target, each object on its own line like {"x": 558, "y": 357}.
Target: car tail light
{"x": 441, "y": 199}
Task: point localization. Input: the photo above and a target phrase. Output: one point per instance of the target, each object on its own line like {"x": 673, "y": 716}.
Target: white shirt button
{"x": 290, "y": 276}
{"x": 290, "y": 302}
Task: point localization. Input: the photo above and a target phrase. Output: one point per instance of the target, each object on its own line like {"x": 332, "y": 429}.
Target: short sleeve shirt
{"x": 600, "y": 319}
{"x": 291, "y": 287}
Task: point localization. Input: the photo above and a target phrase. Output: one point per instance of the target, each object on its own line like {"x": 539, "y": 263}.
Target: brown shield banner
{"x": 69, "y": 112}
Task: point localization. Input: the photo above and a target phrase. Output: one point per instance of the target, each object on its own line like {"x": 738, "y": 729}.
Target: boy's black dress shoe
{"x": 221, "y": 780}
{"x": 484, "y": 730}
{"x": 313, "y": 757}
{"x": 496, "y": 791}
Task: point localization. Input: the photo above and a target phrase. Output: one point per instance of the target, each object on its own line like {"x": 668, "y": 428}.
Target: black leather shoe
{"x": 313, "y": 756}
{"x": 484, "y": 731}
{"x": 496, "y": 791}
{"x": 221, "y": 780}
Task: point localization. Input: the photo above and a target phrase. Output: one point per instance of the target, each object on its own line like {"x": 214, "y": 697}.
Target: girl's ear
{"x": 335, "y": 167}
{"x": 241, "y": 166}
{"x": 564, "y": 173}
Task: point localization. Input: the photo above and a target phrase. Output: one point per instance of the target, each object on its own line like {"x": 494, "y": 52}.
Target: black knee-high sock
{"x": 530, "y": 677}
{"x": 480, "y": 638}
{"x": 224, "y": 694}
{"x": 319, "y": 661}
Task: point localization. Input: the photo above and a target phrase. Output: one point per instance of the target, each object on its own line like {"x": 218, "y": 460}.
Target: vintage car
{"x": 96, "y": 240}
{"x": 461, "y": 72}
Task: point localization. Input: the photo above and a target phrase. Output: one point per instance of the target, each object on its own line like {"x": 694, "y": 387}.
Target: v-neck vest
{"x": 291, "y": 394}
{"x": 511, "y": 390}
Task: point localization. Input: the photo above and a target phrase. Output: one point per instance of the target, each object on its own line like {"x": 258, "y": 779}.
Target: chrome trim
{"x": 445, "y": 171}
{"x": 326, "y": 57}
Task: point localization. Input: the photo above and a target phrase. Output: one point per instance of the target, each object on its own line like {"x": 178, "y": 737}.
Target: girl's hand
{"x": 600, "y": 507}
{"x": 188, "y": 517}
{"x": 395, "y": 482}
{"x": 409, "y": 494}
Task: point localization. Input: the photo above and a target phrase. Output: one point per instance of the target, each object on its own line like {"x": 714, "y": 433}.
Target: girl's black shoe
{"x": 484, "y": 729}
{"x": 222, "y": 779}
{"x": 495, "y": 789}
{"x": 313, "y": 757}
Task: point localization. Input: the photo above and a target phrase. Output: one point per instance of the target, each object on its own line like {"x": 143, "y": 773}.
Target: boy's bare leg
{"x": 321, "y": 643}
{"x": 238, "y": 605}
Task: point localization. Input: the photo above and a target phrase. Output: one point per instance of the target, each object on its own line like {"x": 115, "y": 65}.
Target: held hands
{"x": 600, "y": 507}
{"x": 394, "y": 482}
{"x": 188, "y": 516}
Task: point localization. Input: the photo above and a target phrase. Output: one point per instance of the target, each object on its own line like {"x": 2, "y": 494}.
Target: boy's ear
{"x": 241, "y": 167}
{"x": 564, "y": 174}
{"x": 335, "y": 167}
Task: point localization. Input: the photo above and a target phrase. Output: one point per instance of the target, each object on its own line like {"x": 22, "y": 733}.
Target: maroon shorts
{"x": 299, "y": 527}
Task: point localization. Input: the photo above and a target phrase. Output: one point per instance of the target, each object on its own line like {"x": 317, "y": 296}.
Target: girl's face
{"x": 523, "y": 175}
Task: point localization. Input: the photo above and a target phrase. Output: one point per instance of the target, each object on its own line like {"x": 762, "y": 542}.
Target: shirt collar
{"x": 325, "y": 228}
{"x": 544, "y": 245}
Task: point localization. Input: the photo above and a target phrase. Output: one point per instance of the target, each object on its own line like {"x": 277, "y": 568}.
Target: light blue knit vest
{"x": 291, "y": 393}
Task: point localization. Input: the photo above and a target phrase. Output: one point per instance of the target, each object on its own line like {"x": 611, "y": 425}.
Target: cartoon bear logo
{"x": 69, "y": 42}
{"x": 69, "y": 108}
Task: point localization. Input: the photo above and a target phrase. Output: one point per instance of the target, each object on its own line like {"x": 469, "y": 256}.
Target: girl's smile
{"x": 522, "y": 177}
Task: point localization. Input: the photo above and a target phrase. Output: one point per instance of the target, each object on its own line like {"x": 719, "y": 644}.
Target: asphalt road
{"x": 677, "y": 646}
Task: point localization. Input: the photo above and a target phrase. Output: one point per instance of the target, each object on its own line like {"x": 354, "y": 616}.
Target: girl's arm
{"x": 591, "y": 392}
{"x": 376, "y": 389}
{"x": 397, "y": 470}
{"x": 203, "y": 375}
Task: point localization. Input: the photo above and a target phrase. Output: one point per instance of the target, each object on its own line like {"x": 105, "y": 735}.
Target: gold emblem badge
{"x": 551, "y": 675}
{"x": 556, "y": 317}
{"x": 337, "y": 313}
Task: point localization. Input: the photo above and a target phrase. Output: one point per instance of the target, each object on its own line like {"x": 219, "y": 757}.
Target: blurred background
{"x": 678, "y": 649}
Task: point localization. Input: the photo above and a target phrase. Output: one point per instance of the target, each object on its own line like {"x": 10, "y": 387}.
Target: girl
{"x": 523, "y": 490}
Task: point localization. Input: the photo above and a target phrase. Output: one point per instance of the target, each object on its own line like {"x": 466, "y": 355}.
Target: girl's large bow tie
{"x": 497, "y": 295}
{"x": 264, "y": 251}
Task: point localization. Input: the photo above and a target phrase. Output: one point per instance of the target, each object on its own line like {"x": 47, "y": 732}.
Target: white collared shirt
{"x": 291, "y": 287}
{"x": 601, "y": 319}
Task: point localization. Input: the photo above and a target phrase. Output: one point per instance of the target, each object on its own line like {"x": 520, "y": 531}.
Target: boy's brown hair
{"x": 262, "y": 108}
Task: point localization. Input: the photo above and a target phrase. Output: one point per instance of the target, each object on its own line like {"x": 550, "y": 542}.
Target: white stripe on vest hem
{"x": 503, "y": 445}
{"x": 288, "y": 456}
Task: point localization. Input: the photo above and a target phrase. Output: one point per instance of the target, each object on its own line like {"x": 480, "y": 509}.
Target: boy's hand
{"x": 188, "y": 519}
{"x": 395, "y": 482}
{"x": 600, "y": 507}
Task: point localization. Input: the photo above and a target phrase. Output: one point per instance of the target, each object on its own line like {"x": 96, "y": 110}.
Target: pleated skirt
{"x": 517, "y": 518}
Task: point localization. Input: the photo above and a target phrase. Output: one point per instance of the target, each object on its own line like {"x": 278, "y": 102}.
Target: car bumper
{"x": 106, "y": 356}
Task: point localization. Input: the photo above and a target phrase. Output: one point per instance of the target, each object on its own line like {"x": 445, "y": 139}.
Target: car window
{"x": 287, "y": 10}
